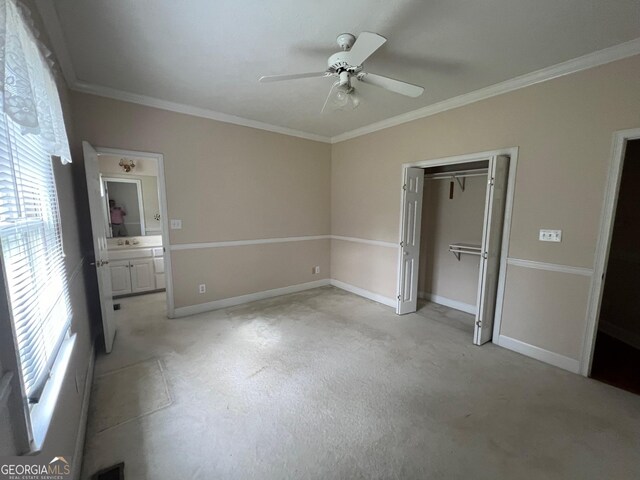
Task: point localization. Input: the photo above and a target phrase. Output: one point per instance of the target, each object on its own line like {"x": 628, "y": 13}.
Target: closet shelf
{"x": 465, "y": 248}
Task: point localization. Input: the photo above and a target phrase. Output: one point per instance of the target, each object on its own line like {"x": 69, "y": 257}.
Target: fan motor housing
{"x": 340, "y": 62}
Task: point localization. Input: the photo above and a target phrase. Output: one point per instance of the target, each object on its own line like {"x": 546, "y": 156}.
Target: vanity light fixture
{"x": 127, "y": 164}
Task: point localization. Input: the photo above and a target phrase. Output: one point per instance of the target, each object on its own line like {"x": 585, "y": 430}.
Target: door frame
{"x": 603, "y": 246}
{"x": 512, "y": 152}
{"x": 164, "y": 216}
{"x": 138, "y": 185}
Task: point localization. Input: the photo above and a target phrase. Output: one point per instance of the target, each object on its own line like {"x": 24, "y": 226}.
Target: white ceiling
{"x": 209, "y": 54}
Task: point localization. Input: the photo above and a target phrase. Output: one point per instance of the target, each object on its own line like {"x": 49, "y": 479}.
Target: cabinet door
{"x": 120, "y": 277}
{"x": 159, "y": 264}
{"x": 142, "y": 275}
{"x": 160, "y": 282}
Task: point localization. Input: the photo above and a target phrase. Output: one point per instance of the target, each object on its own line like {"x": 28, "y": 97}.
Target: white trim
{"x": 590, "y": 60}
{"x": 147, "y": 101}
{"x": 607, "y": 216}
{"x": 550, "y": 267}
{"x": 366, "y": 241}
{"x": 261, "y": 241}
{"x": 506, "y": 239}
{"x": 42, "y": 413}
{"x": 164, "y": 216}
{"x": 250, "y": 297}
{"x": 512, "y": 153}
{"x": 465, "y": 158}
{"x": 630, "y": 338}
{"x": 376, "y": 297}
{"x": 53, "y": 28}
{"x": 447, "y": 302}
{"x": 240, "y": 243}
{"x": 84, "y": 414}
{"x": 541, "y": 354}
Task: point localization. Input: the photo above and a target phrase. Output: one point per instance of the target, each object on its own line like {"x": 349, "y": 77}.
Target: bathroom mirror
{"x": 132, "y": 205}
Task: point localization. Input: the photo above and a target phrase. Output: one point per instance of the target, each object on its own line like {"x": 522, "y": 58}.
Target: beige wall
{"x": 225, "y": 182}
{"x": 563, "y": 129}
{"x": 446, "y": 221}
{"x": 255, "y": 268}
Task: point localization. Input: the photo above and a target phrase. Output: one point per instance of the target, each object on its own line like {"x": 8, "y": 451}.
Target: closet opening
{"x": 451, "y": 238}
{"x": 451, "y": 252}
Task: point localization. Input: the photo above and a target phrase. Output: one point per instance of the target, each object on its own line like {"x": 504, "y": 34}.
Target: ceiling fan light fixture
{"x": 347, "y": 64}
{"x": 345, "y": 98}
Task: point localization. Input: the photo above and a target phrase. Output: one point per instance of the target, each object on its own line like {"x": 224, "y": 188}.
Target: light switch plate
{"x": 176, "y": 224}
{"x": 550, "y": 235}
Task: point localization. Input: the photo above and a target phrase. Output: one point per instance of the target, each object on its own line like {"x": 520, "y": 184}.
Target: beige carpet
{"x": 326, "y": 385}
{"x": 131, "y": 392}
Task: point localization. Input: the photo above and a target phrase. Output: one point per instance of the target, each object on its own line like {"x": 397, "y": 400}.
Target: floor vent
{"x": 116, "y": 472}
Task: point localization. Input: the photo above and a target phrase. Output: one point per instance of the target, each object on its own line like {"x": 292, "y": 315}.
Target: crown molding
{"x": 600, "y": 57}
{"x": 51, "y": 22}
{"x": 52, "y": 25}
{"x": 190, "y": 110}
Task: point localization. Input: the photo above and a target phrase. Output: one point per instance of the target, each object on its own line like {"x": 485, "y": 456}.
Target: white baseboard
{"x": 541, "y": 354}
{"x": 390, "y": 302}
{"x": 447, "y": 302}
{"x": 251, "y": 297}
{"x": 630, "y": 338}
{"x": 84, "y": 413}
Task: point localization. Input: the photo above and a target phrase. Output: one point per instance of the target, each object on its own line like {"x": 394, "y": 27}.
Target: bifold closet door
{"x": 491, "y": 246}
{"x": 410, "y": 240}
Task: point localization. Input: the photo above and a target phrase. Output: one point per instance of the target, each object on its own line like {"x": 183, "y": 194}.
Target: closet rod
{"x": 461, "y": 174}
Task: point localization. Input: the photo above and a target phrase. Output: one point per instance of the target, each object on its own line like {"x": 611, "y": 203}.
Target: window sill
{"x": 42, "y": 412}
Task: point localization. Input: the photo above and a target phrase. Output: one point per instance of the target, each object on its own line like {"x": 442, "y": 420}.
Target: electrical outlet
{"x": 315, "y": 270}
{"x": 550, "y": 236}
{"x": 176, "y": 224}
{"x": 202, "y": 288}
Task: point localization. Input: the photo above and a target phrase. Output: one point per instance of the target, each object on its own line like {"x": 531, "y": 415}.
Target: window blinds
{"x": 31, "y": 240}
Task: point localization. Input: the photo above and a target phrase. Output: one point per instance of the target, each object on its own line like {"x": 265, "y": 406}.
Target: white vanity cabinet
{"x": 136, "y": 270}
{"x": 120, "y": 277}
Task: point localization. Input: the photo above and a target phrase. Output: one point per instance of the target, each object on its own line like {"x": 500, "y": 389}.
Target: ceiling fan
{"x": 347, "y": 65}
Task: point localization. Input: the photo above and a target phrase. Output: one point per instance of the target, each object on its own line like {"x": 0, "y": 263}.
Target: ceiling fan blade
{"x": 279, "y": 78}
{"x": 365, "y": 45}
{"x": 326, "y": 102}
{"x": 403, "y": 88}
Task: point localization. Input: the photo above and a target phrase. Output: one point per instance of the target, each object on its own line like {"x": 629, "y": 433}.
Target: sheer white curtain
{"x": 29, "y": 93}
{"x": 31, "y": 133}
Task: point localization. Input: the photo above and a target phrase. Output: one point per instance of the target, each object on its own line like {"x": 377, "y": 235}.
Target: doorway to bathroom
{"x": 127, "y": 201}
